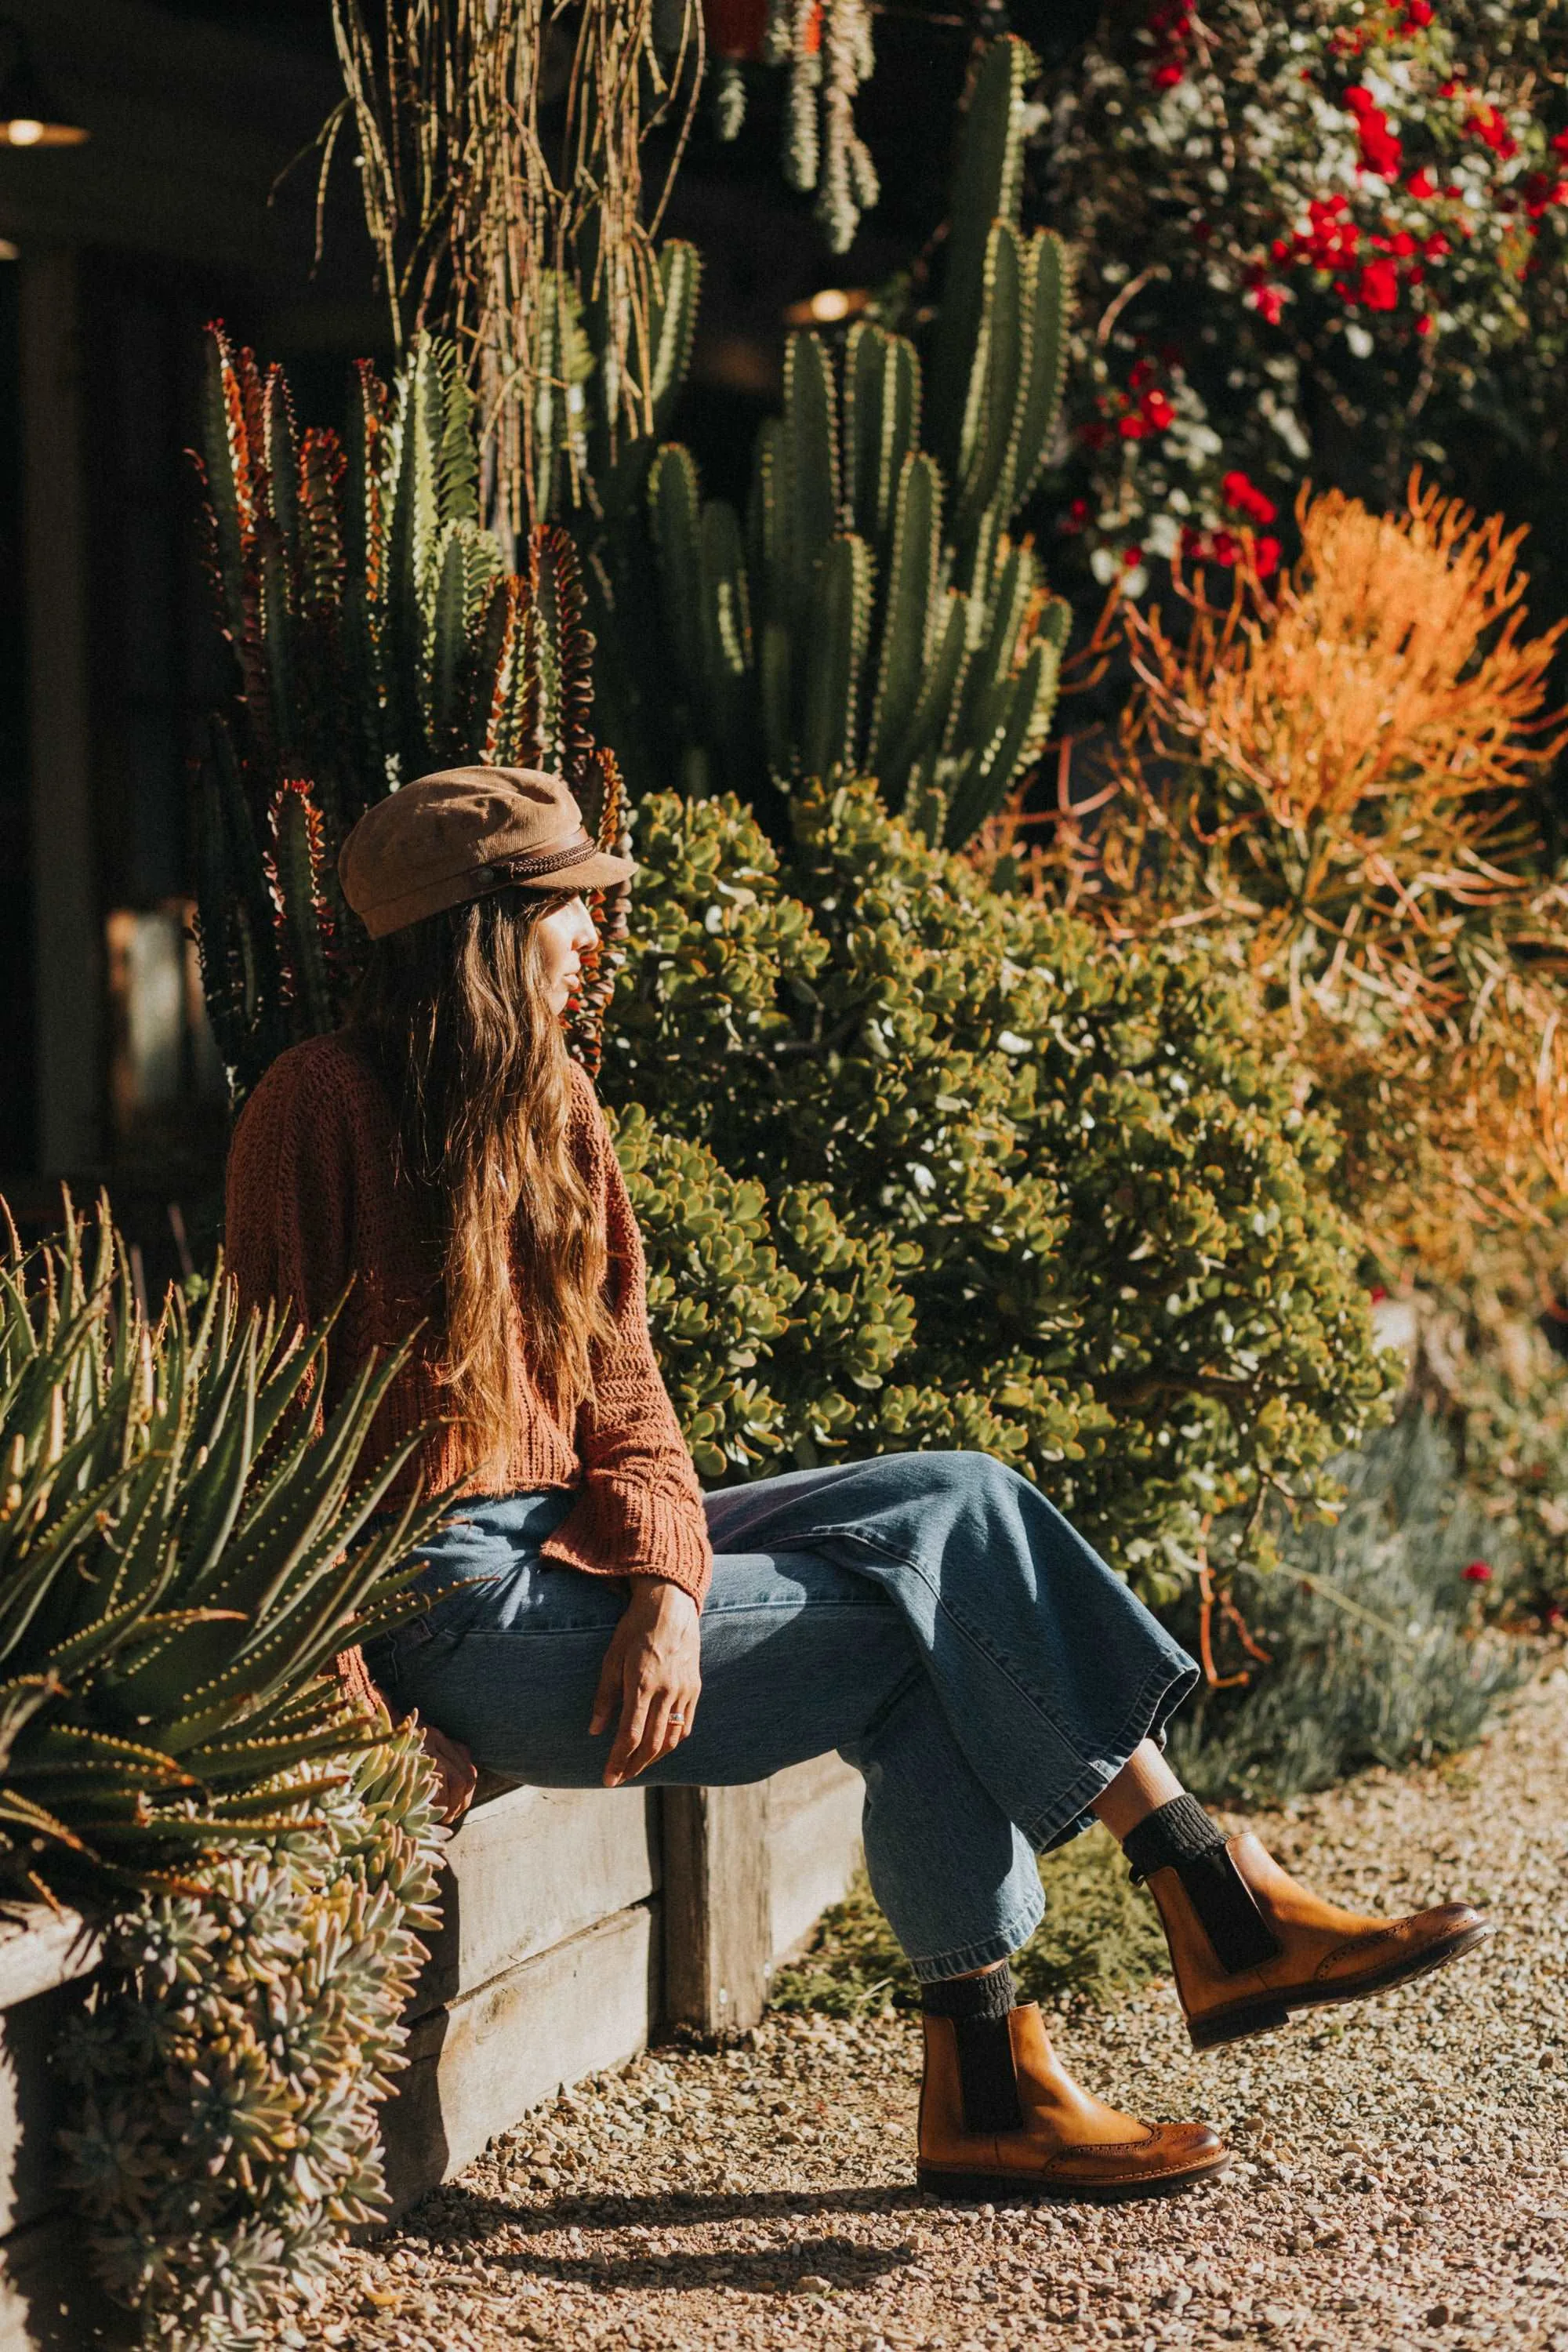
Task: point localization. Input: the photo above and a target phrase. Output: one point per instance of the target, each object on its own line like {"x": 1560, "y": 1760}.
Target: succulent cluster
{"x": 224, "y": 2079}
{"x": 921, "y": 1164}
{"x": 379, "y": 634}
{"x": 873, "y": 609}
{"x": 175, "y": 1571}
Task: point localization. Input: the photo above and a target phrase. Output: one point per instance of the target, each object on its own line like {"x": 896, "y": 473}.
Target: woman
{"x": 595, "y": 1618}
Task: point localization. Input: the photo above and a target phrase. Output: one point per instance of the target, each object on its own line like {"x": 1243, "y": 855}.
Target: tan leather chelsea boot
{"x": 1249, "y": 1944}
{"x": 1017, "y": 2125}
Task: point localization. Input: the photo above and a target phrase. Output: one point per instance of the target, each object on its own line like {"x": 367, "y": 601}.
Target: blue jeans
{"x": 928, "y": 1615}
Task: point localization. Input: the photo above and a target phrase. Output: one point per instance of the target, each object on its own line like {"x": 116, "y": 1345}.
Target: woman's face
{"x": 565, "y": 935}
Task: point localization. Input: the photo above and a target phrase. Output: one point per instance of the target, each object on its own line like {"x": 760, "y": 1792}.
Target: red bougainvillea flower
{"x": 1170, "y": 30}
{"x": 1478, "y": 1573}
{"x": 1132, "y": 428}
{"x": 1156, "y": 411}
{"x": 1540, "y": 191}
{"x": 1377, "y": 289}
{"x": 1376, "y": 141}
{"x": 1421, "y": 184}
{"x": 1484, "y": 122}
{"x": 1266, "y": 556}
{"x": 1243, "y": 498}
{"x": 1423, "y": 323}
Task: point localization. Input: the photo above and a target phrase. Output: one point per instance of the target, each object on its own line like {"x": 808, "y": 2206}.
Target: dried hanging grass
{"x": 1335, "y": 775}
{"x": 499, "y": 221}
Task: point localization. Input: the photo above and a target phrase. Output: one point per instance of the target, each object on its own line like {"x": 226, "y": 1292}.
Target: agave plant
{"x": 873, "y": 612}
{"x": 379, "y": 634}
{"x": 184, "y": 1543}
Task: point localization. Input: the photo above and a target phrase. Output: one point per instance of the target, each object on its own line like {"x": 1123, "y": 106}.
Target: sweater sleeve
{"x": 289, "y": 1195}
{"x": 640, "y": 1512}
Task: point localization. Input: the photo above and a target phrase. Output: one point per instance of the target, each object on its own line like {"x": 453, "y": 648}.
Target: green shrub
{"x": 223, "y": 2082}
{"x": 972, "y": 1178}
{"x": 1100, "y": 1941}
{"x": 1382, "y": 1659}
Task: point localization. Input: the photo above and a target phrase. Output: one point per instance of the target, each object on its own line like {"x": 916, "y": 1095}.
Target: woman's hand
{"x": 653, "y": 1675}
{"x": 457, "y": 1776}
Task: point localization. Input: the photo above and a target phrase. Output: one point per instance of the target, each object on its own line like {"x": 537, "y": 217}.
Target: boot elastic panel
{"x": 979, "y": 2007}
{"x": 1180, "y": 1836}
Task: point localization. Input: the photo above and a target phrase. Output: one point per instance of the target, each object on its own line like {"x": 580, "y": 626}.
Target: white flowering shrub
{"x": 1320, "y": 241}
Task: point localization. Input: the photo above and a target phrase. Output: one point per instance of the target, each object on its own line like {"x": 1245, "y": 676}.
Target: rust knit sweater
{"x": 311, "y": 1201}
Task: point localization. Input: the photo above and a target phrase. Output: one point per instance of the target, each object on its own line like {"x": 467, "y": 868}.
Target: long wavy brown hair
{"x": 456, "y": 1016}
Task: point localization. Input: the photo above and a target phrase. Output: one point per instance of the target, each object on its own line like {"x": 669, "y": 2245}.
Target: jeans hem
{"x": 1000, "y": 1945}
{"x": 1160, "y": 1693}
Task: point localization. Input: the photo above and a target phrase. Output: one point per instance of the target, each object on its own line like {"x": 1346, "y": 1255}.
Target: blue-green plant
{"x": 1375, "y": 1648}
{"x": 222, "y": 2084}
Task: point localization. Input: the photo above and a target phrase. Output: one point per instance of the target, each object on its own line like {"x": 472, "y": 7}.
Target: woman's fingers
{"x": 606, "y": 1698}
{"x": 637, "y": 1695}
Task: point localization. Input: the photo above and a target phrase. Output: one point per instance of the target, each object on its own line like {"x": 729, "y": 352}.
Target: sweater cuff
{"x": 618, "y": 1530}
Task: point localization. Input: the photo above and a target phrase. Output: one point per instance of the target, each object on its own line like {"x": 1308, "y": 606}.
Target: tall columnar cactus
{"x": 378, "y": 635}
{"x": 874, "y": 612}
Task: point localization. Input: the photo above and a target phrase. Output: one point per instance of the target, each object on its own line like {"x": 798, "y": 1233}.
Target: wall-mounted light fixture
{"x": 827, "y": 306}
{"x": 28, "y": 114}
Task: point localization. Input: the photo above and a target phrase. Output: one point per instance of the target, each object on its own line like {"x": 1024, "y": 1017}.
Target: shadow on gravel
{"x": 845, "y": 2260}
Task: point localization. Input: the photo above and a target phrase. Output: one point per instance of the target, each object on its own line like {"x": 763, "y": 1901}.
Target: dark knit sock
{"x": 992, "y": 1995}
{"x": 1180, "y": 1836}
{"x": 979, "y": 2007}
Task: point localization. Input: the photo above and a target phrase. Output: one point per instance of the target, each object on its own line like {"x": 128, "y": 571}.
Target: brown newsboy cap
{"x": 461, "y": 833}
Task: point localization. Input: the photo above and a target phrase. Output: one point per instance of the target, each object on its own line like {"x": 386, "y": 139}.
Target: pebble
{"x": 1401, "y": 2179}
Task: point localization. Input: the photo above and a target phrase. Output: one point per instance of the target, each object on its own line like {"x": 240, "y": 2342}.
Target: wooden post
{"x": 717, "y": 1907}
{"x": 68, "y": 966}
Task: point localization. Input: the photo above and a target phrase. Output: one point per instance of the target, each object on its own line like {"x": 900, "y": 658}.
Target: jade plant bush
{"x": 924, "y": 1165}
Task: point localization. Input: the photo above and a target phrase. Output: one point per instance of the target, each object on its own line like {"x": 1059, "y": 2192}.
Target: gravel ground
{"x": 1399, "y": 2178}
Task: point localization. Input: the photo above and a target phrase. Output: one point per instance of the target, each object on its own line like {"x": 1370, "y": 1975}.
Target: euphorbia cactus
{"x": 874, "y": 612}
{"x": 379, "y": 634}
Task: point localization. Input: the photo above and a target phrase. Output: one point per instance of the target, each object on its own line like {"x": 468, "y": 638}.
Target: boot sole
{"x": 1265, "y": 2014}
{"x": 1011, "y": 2189}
